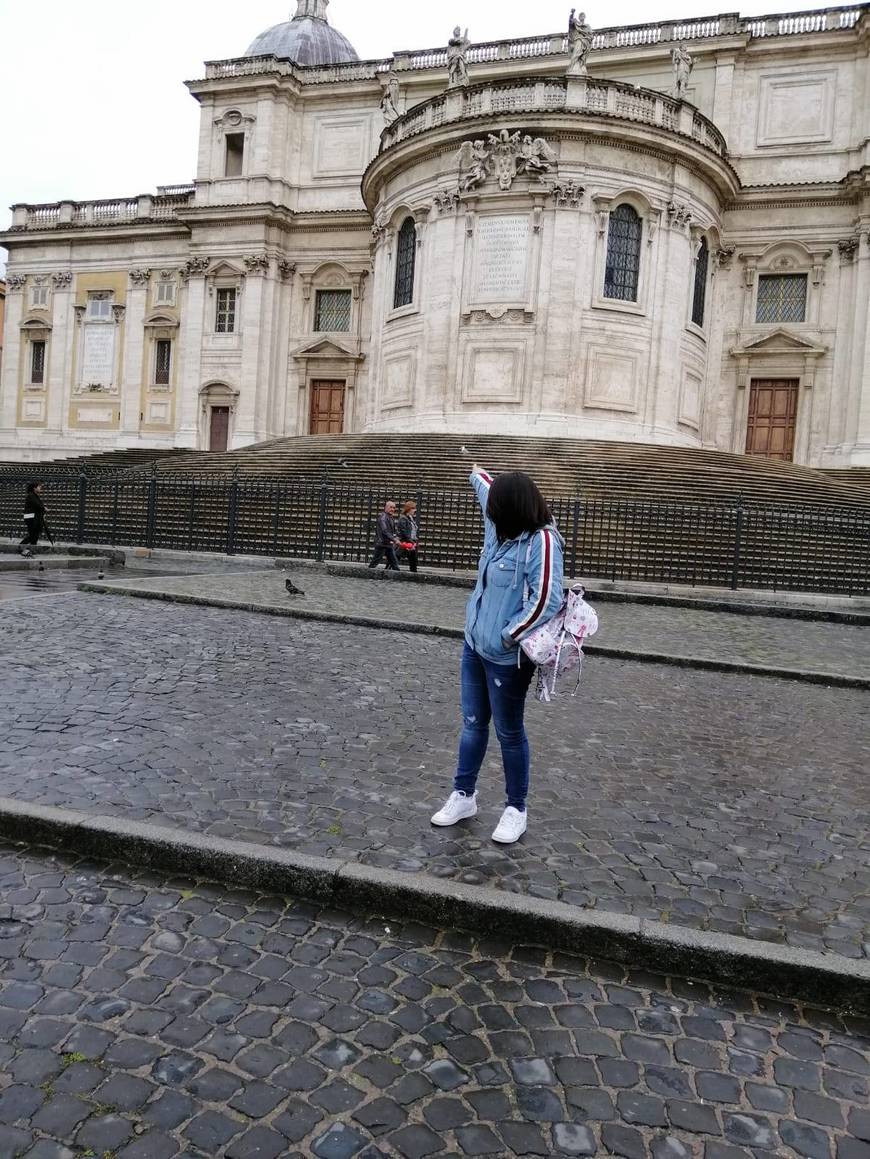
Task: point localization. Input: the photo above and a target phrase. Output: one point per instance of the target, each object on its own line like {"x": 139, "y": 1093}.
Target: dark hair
{"x": 33, "y": 485}
{"x": 516, "y": 505}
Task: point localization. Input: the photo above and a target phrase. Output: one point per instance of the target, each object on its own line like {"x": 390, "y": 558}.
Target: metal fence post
{"x": 233, "y": 512}
{"x": 738, "y": 544}
{"x": 83, "y": 495}
{"x": 321, "y": 520}
{"x": 151, "y": 508}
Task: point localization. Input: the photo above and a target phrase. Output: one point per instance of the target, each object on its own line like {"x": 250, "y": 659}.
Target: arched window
{"x": 699, "y": 297}
{"x": 622, "y": 270}
{"x": 406, "y": 250}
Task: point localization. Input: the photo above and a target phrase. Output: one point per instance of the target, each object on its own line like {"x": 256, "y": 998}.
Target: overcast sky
{"x": 93, "y": 93}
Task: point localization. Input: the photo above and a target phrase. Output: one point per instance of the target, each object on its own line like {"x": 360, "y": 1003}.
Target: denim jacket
{"x": 519, "y": 586}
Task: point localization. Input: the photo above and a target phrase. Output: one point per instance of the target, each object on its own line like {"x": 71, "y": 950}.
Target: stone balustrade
{"x": 703, "y": 28}
{"x": 117, "y": 211}
{"x": 547, "y": 94}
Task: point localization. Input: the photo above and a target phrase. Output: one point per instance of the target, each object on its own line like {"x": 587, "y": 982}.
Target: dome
{"x": 306, "y": 39}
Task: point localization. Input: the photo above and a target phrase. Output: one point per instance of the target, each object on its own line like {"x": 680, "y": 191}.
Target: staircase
{"x": 119, "y": 460}
{"x": 586, "y": 468}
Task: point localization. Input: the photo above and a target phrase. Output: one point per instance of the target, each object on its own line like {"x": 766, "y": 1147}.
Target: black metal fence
{"x": 820, "y": 549}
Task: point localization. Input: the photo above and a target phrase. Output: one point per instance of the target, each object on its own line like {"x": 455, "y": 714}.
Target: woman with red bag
{"x": 408, "y": 533}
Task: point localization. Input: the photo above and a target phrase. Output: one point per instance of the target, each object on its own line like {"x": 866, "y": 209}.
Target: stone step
{"x": 52, "y": 562}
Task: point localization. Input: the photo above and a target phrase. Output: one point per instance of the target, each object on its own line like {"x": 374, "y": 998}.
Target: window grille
{"x": 332, "y": 310}
{"x": 699, "y": 297}
{"x": 406, "y": 249}
{"x": 781, "y": 298}
{"x": 225, "y": 320}
{"x": 622, "y": 270}
{"x": 162, "y": 362}
{"x": 37, "y": 362}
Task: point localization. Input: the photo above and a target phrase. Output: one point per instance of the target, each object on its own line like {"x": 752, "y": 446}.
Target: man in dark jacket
{"x": 386, "y": 538}
{"x": 34, "y": 519}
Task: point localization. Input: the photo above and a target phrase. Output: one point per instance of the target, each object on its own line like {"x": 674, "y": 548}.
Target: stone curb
{"x": 781, "y": 971}
{"x": 833, "y": 679}
{"x": 59, "y": 562}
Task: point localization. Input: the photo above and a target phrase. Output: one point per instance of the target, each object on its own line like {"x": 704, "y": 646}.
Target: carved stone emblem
{"x": 16, "y": 282}
{"x": 139, "y": 277}
{"x": 256, "y": 263}
{"x": 62, "y": 278}
{"x": 505, "y": 156}
{"x": 568, "y": 193}
{"x": 848, "y": 248}
{"x": 447, "y": 200}
{"x": 724, "y": 256}
{"x": 679, "y": 217}
{"x": 195, "y": 268}
{"x": 286, "y": 269}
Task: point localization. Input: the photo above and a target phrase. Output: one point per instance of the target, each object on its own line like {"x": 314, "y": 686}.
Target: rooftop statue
{"x": 457, "y": 53}
{"x": 683, "y": 65}
{"x": 579, "y": 43}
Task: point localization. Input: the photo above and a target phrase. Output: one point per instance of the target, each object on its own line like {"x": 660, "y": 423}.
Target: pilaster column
{"x": 190, "y": 360}
{"x": 11, "y": 358}
{"x": 134, "y": 351}
{"x": 59, "y": 369}
{"x": 245, "y": 427}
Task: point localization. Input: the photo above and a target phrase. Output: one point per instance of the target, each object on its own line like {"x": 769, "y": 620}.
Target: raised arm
{"x": 481, "y": 481}
{"x": 544, "y": 575}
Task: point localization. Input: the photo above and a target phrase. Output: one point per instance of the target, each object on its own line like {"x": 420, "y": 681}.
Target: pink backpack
{"x": 557, "y": 646}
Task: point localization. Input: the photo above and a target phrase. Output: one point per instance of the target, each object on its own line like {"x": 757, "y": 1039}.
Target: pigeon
{"x": 343, "y": 463}
{"x": 292, "y": 589}
{"x": 41, "y": 566}
{"x": 463, "y": 450}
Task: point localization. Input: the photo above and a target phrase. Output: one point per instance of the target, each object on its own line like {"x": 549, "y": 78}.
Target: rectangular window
{"x": 39, "y": 297}
{"x": 235, "y": 155}
{"x": 781, "y": 298}
{"x": 165, "y": 294}
{"x": 332, "y": 310}
{"x": 99, "y": 306}
{"x": 225, "y": 319}
{"x": 37, "y": 362}
{"x": 162, "y": 362}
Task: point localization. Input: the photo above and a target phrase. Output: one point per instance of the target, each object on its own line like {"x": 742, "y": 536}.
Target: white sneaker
{"x": 511, "y": 827}
{"x": 455, "y": 808}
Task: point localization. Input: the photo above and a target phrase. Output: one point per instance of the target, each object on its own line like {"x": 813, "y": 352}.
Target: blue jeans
{"x": 494, "y": 692}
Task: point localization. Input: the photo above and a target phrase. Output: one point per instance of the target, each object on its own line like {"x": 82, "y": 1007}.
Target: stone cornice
{"x": 107, "y": 233}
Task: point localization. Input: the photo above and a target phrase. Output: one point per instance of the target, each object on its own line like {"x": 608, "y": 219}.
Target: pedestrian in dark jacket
{"x": 386, "y": 538}
{"x": 34, "y": 519}
{"x": 408, "y": 533}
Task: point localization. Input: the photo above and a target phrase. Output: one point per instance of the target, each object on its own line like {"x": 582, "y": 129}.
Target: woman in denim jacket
{"x": 519, "y": 587}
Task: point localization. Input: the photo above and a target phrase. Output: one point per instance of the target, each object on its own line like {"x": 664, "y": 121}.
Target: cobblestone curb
{"x": 838, "y": 680}
{"x": 786, "y": 973}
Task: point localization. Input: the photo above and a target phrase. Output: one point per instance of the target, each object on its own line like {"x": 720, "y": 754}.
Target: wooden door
{"x": 327, "y": 407}
{"x": 772, "y": 412}
{"x": 219, "y": 428}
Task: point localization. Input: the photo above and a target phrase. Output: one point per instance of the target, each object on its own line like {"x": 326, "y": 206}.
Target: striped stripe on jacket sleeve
{"x": 546, "y": 594}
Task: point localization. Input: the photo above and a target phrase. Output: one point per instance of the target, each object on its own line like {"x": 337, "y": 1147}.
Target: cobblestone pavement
{"x": 718, "y": 801}
{"x": 145, "y": 1018}
{"x": 763, "y": 640}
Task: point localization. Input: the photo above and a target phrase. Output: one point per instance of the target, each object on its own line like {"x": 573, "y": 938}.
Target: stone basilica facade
{"x": 657, "y": 233}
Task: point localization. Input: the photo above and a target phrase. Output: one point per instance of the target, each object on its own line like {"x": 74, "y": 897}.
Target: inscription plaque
{"x": 98, "y": 354}
{"x": 501, "y": 258}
